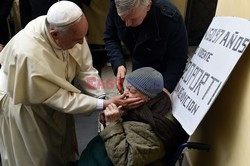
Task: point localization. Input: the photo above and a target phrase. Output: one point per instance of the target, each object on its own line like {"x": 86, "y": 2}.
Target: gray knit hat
{"x": 147, "y": 80}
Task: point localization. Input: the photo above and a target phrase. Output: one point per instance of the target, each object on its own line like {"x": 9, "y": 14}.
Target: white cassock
{"x": 37, "y": 99}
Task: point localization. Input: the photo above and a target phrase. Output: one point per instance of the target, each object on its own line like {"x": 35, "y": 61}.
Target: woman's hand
{"x": 112, "y": 114}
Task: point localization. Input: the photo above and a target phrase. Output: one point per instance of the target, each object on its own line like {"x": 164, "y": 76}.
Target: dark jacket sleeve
{"x": 111, "y": 39}
{"x": 25, "y": 12}
{"x": 5, "y": 7}
{"x": 86, "y": 2}
{"x": 178, "y": 55}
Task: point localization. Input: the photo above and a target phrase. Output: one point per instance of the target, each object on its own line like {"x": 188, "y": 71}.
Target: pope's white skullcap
{"x": 63, "y": 13}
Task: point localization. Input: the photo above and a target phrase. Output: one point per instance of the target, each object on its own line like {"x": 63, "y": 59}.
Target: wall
{"x": 226, "y": 127}
{"x": 182, "y": 5}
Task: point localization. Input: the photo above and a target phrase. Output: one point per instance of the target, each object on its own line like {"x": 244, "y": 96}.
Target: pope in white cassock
{"x": 37, "y": 99}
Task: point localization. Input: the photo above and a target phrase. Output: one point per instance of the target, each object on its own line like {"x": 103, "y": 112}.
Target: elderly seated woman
{"x": 146, "y": 135}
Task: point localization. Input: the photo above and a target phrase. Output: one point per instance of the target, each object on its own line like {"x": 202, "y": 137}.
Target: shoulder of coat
{"x": 169, "y": 10}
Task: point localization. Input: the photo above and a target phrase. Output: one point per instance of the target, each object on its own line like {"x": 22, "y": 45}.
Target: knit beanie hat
{"x": 147, "y": 80}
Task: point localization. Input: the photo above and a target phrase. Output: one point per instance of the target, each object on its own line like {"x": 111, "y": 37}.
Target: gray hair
{"x": 58, "y": 29}
{"x": 124, "y": 6}
{"x": 61, "y": 29}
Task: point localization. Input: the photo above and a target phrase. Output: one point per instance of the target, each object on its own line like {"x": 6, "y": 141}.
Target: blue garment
{"x": 159, "y": 42}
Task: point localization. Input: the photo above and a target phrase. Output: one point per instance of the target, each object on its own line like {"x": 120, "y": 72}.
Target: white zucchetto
{"x": 63, "y": 13}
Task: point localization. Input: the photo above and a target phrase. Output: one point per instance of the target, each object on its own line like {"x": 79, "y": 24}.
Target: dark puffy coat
{"x": 159, "y": 42}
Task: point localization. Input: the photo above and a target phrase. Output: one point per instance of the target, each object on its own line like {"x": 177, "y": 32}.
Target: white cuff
{"x": 99, "y": 105}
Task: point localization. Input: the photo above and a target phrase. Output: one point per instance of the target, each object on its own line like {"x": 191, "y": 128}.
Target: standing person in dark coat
{"x": 96, "y": 13}
{"x": 5, "y": 7}
{"x": 154, "y": 33}
{"x": 31, "y": 9}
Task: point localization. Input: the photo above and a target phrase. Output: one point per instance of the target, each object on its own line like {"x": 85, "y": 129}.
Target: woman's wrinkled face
{"x": 135, "y": 16}
{"x": 131, "y": 92}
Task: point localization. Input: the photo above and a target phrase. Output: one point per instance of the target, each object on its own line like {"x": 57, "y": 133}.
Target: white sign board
{"x": 206, "y": 73}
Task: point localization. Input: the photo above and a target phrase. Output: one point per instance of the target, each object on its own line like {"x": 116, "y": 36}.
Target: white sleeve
{"x": 87, "y": 74}
{"x": 70, "y": 102}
